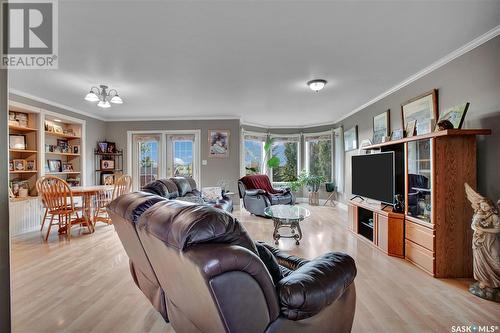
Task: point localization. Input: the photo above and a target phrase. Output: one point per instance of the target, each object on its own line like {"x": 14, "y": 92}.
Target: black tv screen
{"x": 373, "y": 176}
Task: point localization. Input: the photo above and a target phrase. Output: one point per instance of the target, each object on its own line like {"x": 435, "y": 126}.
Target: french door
{"x": 164, "y": 154}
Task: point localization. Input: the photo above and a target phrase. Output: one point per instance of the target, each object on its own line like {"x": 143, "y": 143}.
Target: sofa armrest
{"x": 315, "y": 285}
{"x": 286, "y": 260}
{"x": 254, "y": 192}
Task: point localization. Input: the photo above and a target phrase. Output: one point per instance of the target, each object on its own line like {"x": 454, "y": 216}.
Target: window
{"x": 147, "y": 156}
{"x": 286, "y": 148}
{"x": 181, "y": 156}
{"x": 163, "y": 154}
{"x": 253, "y": 147}
{"x": 319, "y": 155}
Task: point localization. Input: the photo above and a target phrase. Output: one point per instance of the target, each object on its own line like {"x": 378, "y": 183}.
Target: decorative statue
{"x": 485, "y": 246}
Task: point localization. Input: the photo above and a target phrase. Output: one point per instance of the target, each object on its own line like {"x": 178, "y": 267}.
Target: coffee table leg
{"x": 298, "y": 236}
{"x": 276, "y": 235}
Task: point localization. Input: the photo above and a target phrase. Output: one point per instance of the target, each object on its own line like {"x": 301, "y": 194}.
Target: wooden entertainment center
{"x": 434, "y": 232}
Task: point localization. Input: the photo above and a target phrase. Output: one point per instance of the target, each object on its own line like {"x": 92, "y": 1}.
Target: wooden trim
{"x": 449, "y": 132}
{"x": 22, "y": 129}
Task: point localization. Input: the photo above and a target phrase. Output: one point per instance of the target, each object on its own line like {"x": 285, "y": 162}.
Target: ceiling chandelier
{"x": 316, "y": 85}
{"x": 103, "y": 96}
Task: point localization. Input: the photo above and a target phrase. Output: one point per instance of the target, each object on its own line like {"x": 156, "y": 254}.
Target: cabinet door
{"x": 419, "y": 179}
{"x": 383, "y": 232}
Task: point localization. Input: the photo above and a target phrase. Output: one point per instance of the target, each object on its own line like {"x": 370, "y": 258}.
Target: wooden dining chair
{"x": 44, "y": 206}
{"x": 122, "y": 186}
{"x": 58, "y": 199}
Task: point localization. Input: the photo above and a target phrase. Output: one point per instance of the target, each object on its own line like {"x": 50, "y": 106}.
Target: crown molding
{"x": 54, "y": 104}
{"x": 432, "y": 67}
{"x": 192, "y": 118}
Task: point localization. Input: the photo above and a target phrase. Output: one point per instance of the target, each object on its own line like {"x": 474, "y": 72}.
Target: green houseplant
{"x": 312, "y": 182}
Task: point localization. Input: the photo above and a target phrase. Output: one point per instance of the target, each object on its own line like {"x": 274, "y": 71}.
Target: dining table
{"x": 87, "y": 193}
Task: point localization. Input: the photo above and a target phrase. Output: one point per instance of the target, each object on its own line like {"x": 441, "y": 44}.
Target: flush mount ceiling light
{"x": 316, "y": 85}
{"x": 103, "y": 96}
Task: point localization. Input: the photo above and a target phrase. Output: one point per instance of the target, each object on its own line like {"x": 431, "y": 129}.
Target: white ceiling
{"x": 248, "y": 59}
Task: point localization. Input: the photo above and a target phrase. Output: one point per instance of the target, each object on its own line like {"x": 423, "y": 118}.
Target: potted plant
{"x": 312, "y": 182}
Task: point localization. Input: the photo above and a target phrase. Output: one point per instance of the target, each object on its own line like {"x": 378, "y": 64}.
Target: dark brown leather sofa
{"x": 185, "y": 189}
{"x": 216, "y": 279}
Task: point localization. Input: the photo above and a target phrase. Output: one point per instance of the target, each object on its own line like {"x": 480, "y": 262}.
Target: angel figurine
{"x": 485, "y": 246}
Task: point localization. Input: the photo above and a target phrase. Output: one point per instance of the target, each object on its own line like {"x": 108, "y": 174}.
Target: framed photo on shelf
{"x": 107, "y": 164}
{"x": 19, "y": 165}
{"x": 397, "y": 134}
{"x": 17, "y": 141}
{"x": 455, "y": 115}
{"x": 67, "y": 167}
{"x": 30, "y": 165}
{"x": 76, "y": 149}
{"x": 218, "y": 142}
{"x": 410, "y": 128}
{"x": 111, "y": 147}
{"x": 381, "y": 127}
{"x": 54, "y": 165}
{"x": 102, "y": 147}
{"x": 421, "y": 109}
{"x": 107, "y": 178}
{"x": 351, "y": 138}
{"x": 11, "y": 165}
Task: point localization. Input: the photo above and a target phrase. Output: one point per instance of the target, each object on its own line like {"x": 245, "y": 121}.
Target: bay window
{"x": 287, "y": 149}
{"x": 319, "y": 157}
{"x": 253, "y": 149}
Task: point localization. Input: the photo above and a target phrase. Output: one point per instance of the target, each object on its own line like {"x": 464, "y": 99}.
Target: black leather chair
{"x": 257, "y": 194}
{"x": 216, "y": 279}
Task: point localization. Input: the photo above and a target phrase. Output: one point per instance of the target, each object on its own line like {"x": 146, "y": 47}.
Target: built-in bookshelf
{"x": 63, "y": 144}
{"x": 23, "y": 152}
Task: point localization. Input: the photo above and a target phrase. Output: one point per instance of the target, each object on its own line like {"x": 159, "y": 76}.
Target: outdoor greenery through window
{"x": 254, "y": 153}
{"x": 319, "y": 155}
{"x": 148, "y": 151}
{"x": 287, "y": 151}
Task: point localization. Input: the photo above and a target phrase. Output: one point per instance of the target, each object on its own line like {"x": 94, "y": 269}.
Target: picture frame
{"x": 425, "y": 126}
{"x": 19, "y": 119}
{"x": 351, "y": 138}
{"x": 421, "y": 108}
{"x": 111, "y": 147}
{"x": 455, "y": 115}
{"x": 107, "y": 178}
{"x": 102, "y": 147}
{"x": 67, "y": 167}
{"x": 218, "y": 143}
{"x": 397, "y": 134}
{"x": 17, "y": 141}
{"x": 381, "y": 126}
{"x": 54, "y": 165}
{"x": 76, "y": 149}
{"x": 30, "y": 165}
{"x": 11, "y": 165}
{"x": 107, "y": 164}
{"x": 410, "y": 128}
{"x": 63, "y": 145}
{"x": 19, "y": 165}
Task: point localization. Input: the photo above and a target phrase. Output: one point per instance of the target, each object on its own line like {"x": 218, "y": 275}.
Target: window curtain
{"x": 338, "y": 134}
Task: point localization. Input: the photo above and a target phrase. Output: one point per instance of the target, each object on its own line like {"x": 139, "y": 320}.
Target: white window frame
{"x": 163, "y": 153}
{"x": 242, "y": 148}
{"x": 299, "y": 155}
{"x": 306, "y": 150}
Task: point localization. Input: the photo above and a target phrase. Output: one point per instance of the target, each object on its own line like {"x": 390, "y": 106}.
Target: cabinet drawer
{"x": 420, "y": 256}
{"x": 419, "y": 234}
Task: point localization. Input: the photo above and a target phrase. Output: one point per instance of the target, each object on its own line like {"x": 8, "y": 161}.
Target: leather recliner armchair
{"x": 216, "y": 279}
{"x": 258, "y": 193}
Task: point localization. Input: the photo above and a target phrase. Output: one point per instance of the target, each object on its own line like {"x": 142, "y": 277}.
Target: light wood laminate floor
{"x": 85, "y": 286}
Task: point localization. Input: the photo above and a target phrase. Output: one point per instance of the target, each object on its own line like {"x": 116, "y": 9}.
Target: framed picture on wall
{"x": 381, "y": 127}
{"x": 422, "y": 108}
{"x": 455, "y": 115}
{"x": 351, "y": 138}
{"x": 107, "y": 178}
{"x": 218, "y": 143}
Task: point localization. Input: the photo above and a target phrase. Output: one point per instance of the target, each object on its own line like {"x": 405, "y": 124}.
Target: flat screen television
{"x": 373, "y": 176}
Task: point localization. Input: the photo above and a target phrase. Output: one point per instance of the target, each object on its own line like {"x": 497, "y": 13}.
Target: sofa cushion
{"x": 183, "y": 185}
{"x": 182, "y": 224}
{"x": 165, "y": 188}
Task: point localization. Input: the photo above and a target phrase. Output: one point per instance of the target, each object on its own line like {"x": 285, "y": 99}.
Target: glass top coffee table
{"x": 287, "y": 216}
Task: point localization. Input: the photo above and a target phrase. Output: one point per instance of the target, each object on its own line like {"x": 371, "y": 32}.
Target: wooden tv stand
{"x": 387, "y": 230}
